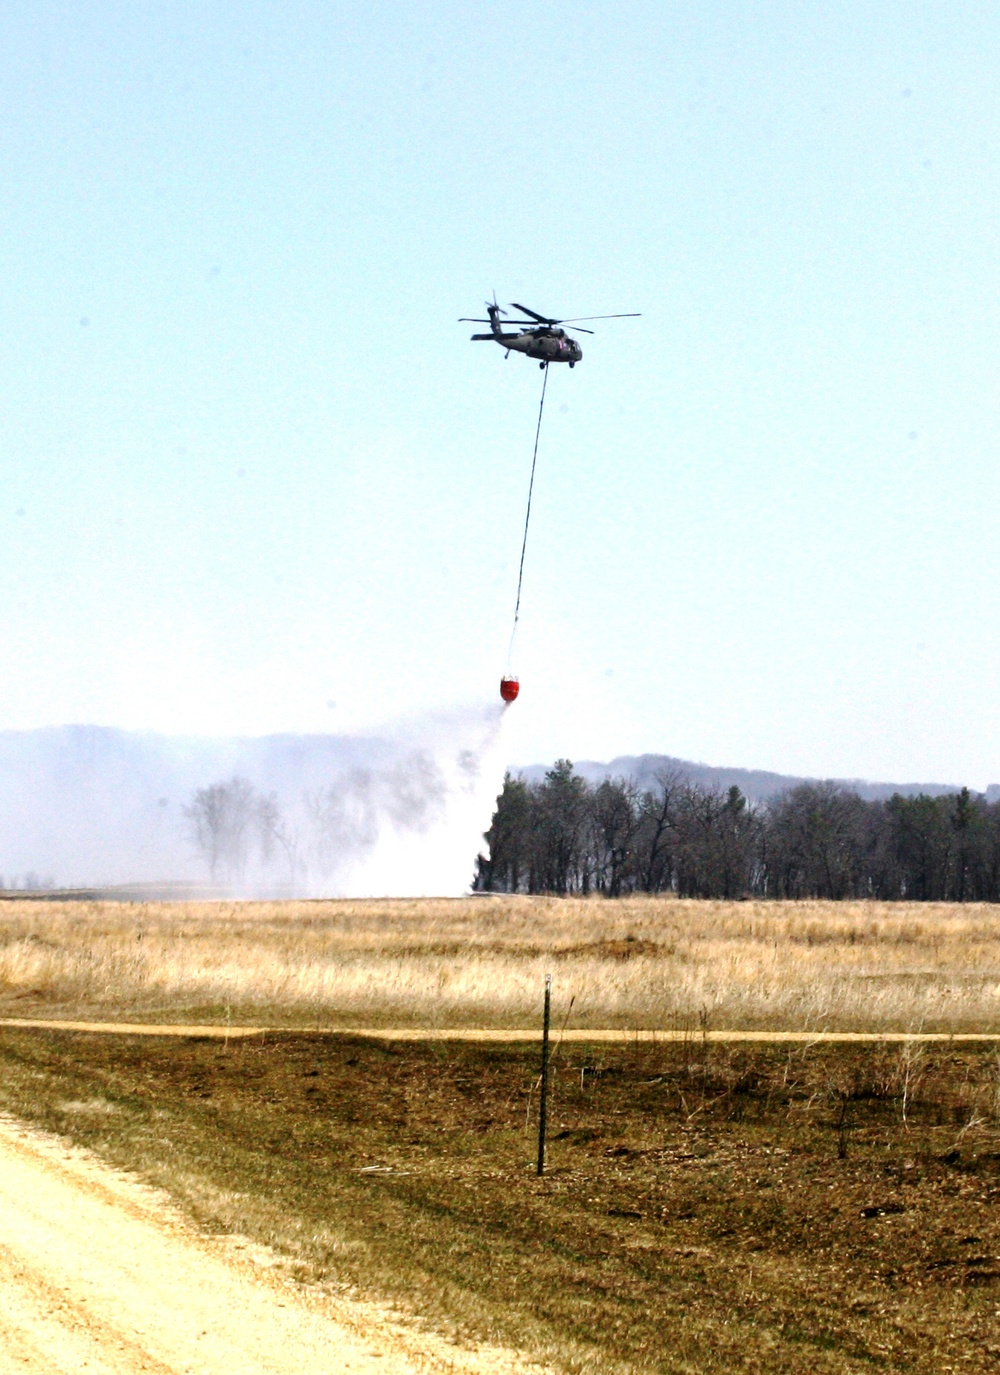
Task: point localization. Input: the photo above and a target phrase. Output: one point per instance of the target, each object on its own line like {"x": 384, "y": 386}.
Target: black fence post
{"x": 544, "y": 1095}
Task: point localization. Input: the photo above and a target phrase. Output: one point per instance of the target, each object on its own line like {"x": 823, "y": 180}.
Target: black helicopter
{"x": 542, "y": 338}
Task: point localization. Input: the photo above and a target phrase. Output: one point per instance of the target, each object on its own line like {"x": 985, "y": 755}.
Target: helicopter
{"x": 541, "y": 336}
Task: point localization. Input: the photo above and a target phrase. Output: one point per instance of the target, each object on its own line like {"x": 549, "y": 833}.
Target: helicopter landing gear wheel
{"x": 572, "y": 365}
{"x": 542, "y": 366}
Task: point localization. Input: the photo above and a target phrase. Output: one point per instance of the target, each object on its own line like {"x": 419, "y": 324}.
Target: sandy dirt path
{"x": 613, "y": 1035}
{"x": 100, "y": 1276}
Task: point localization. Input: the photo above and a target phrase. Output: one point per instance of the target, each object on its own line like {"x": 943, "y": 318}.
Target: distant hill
{"x": 756, "y": 784}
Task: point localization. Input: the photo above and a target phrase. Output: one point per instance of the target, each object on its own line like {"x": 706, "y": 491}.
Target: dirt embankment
{"x": 98, "y": 1274}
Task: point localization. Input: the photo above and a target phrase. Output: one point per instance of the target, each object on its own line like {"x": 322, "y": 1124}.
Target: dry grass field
{"x": 634, "y": 963}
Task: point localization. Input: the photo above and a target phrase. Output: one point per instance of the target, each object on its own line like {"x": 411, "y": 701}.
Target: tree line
{"x": 564, "y": 835}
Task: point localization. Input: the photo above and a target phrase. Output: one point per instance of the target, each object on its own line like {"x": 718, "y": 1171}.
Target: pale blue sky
{"x": 250, "y": 464}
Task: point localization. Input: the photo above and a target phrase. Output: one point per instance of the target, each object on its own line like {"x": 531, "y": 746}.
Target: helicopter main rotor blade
{"x": 542, "y": 319}
{"x": 578, "y": 329}
{"x": 628, "y": 315}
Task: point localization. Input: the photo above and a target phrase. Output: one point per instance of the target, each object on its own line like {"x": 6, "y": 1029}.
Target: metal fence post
{"x": 543, "y": 1097}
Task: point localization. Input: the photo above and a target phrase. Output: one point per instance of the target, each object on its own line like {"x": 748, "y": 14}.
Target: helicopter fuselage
{"x": 540, "y": 336}
{"x": 548, "y": 343}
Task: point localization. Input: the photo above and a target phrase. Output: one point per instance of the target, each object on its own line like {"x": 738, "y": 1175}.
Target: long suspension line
{"x": 527, "y": 514}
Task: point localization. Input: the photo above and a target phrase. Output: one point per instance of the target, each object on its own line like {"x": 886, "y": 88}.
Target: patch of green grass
{"x": 705, "y": 1208}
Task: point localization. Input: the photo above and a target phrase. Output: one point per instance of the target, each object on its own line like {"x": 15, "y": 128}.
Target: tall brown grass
{"x": 635, "y": 962}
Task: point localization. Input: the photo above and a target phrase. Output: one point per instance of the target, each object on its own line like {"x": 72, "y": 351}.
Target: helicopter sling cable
{"x": 509, "y": 684}
{"x": 540, "y": 337}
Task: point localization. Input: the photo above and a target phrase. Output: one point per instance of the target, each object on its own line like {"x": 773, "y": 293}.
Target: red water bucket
{"x": 509, "y": 688}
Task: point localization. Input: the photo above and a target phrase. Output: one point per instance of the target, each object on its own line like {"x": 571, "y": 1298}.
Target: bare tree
{"x": 614, "y": 825}
{"x": 657, "y": 818}
{"x": 230, "y": 822}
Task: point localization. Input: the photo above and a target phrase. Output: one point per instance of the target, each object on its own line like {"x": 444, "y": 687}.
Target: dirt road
{"x": 98, "y": 1276}
{"x": 610, "y": 1036}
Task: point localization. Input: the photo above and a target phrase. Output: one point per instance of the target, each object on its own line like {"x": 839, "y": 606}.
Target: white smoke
{"x": 397, "y": 814}
{"x": 412, "y": 824}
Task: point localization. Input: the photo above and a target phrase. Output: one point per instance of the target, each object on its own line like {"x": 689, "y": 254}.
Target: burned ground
{"x": 708, "y": 1208}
